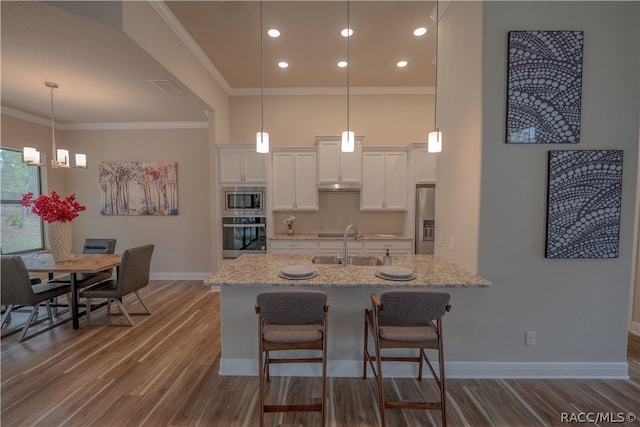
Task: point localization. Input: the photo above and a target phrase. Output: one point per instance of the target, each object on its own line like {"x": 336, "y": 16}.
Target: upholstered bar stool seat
{"x": 291, "y": 320}
{"x": 406, "y": 320}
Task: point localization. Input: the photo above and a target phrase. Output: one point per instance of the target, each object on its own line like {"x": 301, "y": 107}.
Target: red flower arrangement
{"x": 52, "y": 208}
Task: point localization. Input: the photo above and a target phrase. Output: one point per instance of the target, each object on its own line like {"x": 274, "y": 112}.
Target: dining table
{"x": 43, "y": 262}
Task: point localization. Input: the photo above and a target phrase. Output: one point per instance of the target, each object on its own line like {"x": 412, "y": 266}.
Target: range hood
{"x": 340, "y": 186}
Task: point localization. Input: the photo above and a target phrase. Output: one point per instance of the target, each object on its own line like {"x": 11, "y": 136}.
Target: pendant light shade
{"x": 262, "y": 142}
{"x": 348, "y": 141}
{"x": 434, "y": 143}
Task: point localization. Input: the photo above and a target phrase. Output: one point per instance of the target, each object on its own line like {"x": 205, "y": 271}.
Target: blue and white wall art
{"x": 583, "y": 207}
{"x": 544, "y": 87}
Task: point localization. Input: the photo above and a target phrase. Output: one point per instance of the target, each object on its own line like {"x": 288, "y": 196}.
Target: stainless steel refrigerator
{"x": 425, "y": 218}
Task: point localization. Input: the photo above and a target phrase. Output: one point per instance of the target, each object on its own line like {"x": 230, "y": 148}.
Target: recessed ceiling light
{"x": 347, "y": 32}
{"x": 402, "y": 64}
{"x": 420, "y": 31}
{"x": 342, "y": 64}
{"x": 283, "y": 64}
{"x": 273, "y": 32}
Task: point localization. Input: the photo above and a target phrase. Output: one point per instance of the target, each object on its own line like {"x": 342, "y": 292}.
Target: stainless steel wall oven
{"x": 244, "y": 222}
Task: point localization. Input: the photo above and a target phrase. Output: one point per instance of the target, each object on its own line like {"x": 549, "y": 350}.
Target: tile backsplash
{"x": 336, "y": 211}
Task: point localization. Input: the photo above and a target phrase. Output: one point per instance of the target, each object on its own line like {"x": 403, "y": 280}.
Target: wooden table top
{"x": 79, "y": 263}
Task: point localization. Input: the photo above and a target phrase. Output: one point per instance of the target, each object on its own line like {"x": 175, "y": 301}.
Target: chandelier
{"x": 59, "y": 156}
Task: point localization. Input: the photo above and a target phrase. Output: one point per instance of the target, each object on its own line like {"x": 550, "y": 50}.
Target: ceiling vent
{"x": 167, "y": 86}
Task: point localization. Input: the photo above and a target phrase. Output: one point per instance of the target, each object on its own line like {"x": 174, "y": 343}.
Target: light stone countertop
{"x": 337, "y": 236}
{"x": 262, "y": 270}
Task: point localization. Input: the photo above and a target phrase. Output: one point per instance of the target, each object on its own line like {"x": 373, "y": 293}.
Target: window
{"x": 20, "y": 230}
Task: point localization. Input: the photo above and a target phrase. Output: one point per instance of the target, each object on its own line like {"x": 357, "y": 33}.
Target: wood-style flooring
{"x": 164, "y": 372}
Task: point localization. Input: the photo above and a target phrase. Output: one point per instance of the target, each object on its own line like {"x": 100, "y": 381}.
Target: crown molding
{"x": 174, "y": 24}
{"x": 337, "y": 90}
{"x": 8, "y": 111}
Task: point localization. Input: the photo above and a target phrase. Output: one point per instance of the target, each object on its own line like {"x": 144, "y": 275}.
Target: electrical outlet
{"x": 530, "y": 338}
{"x": 452, "y": 244}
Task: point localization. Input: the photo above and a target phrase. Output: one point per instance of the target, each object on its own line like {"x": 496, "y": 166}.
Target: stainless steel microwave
{"x": 243, "y": 201}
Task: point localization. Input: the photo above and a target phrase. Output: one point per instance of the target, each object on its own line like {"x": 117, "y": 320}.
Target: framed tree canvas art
{"x": 584, "y": 202}
{"x": 544, "y": 87}
{"x": 138, "y": 188}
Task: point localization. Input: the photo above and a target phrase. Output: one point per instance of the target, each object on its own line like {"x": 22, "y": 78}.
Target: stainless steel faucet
{"x": 345, "y": 250}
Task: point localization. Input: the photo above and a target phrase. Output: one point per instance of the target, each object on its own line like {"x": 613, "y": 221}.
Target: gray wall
{"x": 579, "y": 308}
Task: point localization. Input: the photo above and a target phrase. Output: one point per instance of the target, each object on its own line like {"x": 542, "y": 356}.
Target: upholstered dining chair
{"x": 92, "y": 246}
{"x": 133, "y": 275}
{"x": 18, "y": 290}
{"x": 291, "y": 320}
{"x": 402, "y": 319}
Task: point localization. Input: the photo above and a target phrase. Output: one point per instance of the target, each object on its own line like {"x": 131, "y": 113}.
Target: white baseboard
{"x": 353, "y": 368}
{"x": 635, "y": 328}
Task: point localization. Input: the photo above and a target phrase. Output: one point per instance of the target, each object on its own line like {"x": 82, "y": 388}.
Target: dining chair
{"x": 92, "y": 246}
{"x": 17, "y": 290}
{"x": 133, "y": 275}
{"x": 291, "y": 320}
{"x": 402, "y": 319}
{"x": 34, "y": 280}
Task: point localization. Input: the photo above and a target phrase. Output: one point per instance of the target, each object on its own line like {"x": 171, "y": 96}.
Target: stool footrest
{"x": 316, "y": 407}
{"x": 413, "y": 405}
{"x": 309, "y": 360}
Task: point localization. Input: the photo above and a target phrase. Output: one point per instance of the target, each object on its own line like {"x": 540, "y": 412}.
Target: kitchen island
{"x": 348, "y": 289}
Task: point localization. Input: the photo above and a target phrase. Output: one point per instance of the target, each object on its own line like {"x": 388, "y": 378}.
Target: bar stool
{"x": 291, "y": 320}
{"x": 405, "y": 319}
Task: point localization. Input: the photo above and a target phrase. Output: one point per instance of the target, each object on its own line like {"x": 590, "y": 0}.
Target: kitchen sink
{"x": 352, "y": 260}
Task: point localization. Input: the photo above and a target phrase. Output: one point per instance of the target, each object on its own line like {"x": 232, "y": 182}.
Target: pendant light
{"x": 262, "y": 137}
{"x": 59, "y": 156}
{"x": 348, "y": 136}
{"x": 434, "y": 141}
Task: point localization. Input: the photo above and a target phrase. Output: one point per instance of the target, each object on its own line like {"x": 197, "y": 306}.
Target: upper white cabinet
{"x": 426, "y": 166}
{"x": 384, "y": 180}
{"x": 336, "y": 167}
{"x": 295, "y": 184}
{"x": 242, "y": 165}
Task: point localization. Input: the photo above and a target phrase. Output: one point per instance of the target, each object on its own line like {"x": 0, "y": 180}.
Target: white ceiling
{"x": 104, "y": 76}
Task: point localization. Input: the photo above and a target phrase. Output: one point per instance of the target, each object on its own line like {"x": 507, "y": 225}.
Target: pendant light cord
{"x": 348, "y": 60}
{"x": 261, "y": 75}
{"x": 435, "y": 105}
{"x": 53, "y": 129}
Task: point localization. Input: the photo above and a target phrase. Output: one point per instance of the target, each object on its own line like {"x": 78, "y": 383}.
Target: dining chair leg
{"x": 27, "y": 324}
{"x": 6, "y": 317}
{"x": 88, "y": 309}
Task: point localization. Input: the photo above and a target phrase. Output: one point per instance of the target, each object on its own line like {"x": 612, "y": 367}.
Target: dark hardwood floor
{"x": 164, "y": 372}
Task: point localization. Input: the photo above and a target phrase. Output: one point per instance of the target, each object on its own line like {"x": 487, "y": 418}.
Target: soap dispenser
{"x": 386, "y": 260}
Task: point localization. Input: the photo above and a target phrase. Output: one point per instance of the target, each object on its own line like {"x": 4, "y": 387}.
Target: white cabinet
{"x": 334, "y": 166}
{"x": 293, "y": 246}
{"x": 426, "y": 166}
{"x": 379, "y": 247}
{"x": 295, "y": 181}
{"x": 242, "y": 165}
{"x": 384, "y": 181}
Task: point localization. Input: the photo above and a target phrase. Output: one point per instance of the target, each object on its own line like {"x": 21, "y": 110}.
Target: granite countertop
{"x": 263, "y": 269}
{"x": 336, "y": 236}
